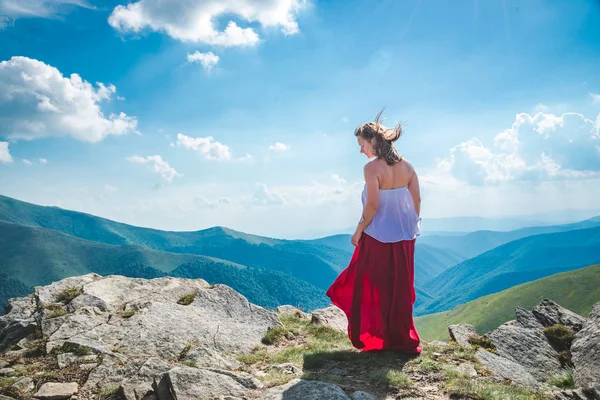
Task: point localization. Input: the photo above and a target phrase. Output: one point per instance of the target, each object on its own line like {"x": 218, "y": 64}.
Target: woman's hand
{"x": 355, "y": 238}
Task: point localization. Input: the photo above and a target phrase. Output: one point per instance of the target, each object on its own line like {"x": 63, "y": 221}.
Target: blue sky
{"x": 241, "y": 112}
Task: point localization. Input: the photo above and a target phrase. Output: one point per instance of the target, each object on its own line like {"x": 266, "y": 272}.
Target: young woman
{"x": 376, "y": 290}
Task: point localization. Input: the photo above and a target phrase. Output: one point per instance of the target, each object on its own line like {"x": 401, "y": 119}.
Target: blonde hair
{"x": 384, "y": 139}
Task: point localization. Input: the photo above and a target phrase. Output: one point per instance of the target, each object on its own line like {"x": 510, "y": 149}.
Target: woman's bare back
{"x": 393, "y": 176}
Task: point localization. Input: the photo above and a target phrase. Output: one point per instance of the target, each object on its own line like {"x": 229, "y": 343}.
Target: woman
{"x": 376, "y": 290}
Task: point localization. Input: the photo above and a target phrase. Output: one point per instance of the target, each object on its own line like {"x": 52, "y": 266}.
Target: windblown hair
{"x": 384, "y": 139}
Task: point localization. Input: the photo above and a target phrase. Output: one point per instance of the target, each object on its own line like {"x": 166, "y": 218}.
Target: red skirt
{"x": 376, "y": 292}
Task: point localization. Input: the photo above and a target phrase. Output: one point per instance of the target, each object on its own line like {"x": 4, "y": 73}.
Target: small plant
{"x": 185, "y": 351}
{"x": 72, "y": 348}
{"x": 108, "y": 391}
{"x": 565, "y": 358}
{"x": 56, "y": 313}
{"x": 399, "y": 380}
{"x": 128, "y": 313}
{"x": 429, "y": 365}
{"x": 117, "y": 349}
{"x": 187, "y": 298}
{"x": 559, "y": 336}
{"x": 190, "y": 363}
{"x": 275, "y": 335}
{"x": 564, "y": 380}
{"x": 53, "y": 306}
{"x": 69, "y": 293}
{"x": 481, "y": 342}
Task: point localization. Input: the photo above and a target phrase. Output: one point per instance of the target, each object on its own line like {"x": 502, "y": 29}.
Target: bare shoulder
{"x": 371, "y": 168}
{"x": 408, "y": 168}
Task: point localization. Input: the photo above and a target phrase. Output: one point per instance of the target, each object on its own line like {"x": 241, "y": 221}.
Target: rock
{"x": 18, "y": 322}
{"x": 24, "y": 385}
{"x": 57, "y": 391}
{"x": 2, "y": 397}
{"x": 507, "y": 369}
{"x": 291, "y": 310}
{"x": 88, "y": 366}
{"x": 66, "y": 359}
{"x": 286, "y": 368}
{"x": 549, "y": 313}
{"x": 362, "y": 396}
{"x": 575, "y": 394}
{"x": 243, "y": 378}
{"x": 467, "y": 370}
{"x": 331, "y": 316}
{"x": 439, "y": 343}
{"x": 183, "y": 383}
{"x": 585, "y": 351}
{"x": 527, "y": 347}
{"x": 50, "y": 294}
{"x": 4, "y": 364}
{"x": 526, "y": 319}
{"x": 208, "y": 357}
{"x": 461, "y": 333}
{"x": 300, "y": 389}
{"x": 7, "y": 372}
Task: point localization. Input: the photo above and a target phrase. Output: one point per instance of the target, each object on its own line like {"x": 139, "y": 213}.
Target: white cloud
{"x": 38, "y": 8}
{"x": 536, "y": 148}
{"x": 159, "y": 166}
{"x": 43, "y": 161}
{"x": 279, "y": 147}
{"x": 26, "y": 162}
{"x": 194, "y": 21}
{"x": 207, "y": 60}
{"x": 595, "y": 97}
{"x": 247, "y": 157}
{"x": 37, "y": 101}
{"x": 109, "y": 189}
{"x": 5, "y": 157}
{"x": 207, "y": 146}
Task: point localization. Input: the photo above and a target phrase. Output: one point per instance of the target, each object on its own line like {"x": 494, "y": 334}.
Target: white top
{"x": 396, "y": 218}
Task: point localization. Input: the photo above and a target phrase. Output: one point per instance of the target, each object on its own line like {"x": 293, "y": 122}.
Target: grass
{"x": 59, "y": 312}
{"x": 564, "y": 380}
{"x": 276, "y": 378}
{"x": 187, "y": 298}
{"x": 69, "y": 293}
{"x": 275, "y": 335}
{"x": 576, "y": 290}
{"x": 71, "y": 348}
{"x": 429, "y": 365}
{"x": 559, "y": 336}
{"x": 108, "y": 392}
{"x": 483, "y": 342}
{"x": 483, "y": 390}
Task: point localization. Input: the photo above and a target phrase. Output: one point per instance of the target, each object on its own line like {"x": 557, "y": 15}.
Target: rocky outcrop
{"x": 507, "y": 369}
{"x": 549, "y": 313}
{"x": 300, "y": 389}
{"x": 586, "y": 353}
{"x": 461, "y": 333}
{"x": 331, "y": 316}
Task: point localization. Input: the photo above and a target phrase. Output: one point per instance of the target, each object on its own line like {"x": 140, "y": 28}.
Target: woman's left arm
{"x": 372, "y": 203}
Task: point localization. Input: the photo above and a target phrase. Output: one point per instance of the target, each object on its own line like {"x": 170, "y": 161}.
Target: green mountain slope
{"x": 31, "y": 256}
{"x": 576, "y": 290}
{"x": 318, "y": 265}
{"x": 511, "y": 264}
{"x": 475, "y": 243}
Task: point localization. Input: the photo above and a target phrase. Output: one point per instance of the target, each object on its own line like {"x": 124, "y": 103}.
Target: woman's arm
{"x": 415, "y": 192}
{"x": 372, "y": 203}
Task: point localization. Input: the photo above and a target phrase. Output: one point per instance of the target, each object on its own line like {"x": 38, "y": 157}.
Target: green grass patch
{"x": 275, "y": 335}
{"x": 484, "y": 390}
{"x": 59, "y": 312}
{"x": 564, "y": 380}
{"x": 482, "y": 342}
{"x": 69, "y": 293}
{"x": 559, "y": 336}
{"x": 187, "y": 299}
{"x": 276, "y": 378}
{"x": 429, "y": 365}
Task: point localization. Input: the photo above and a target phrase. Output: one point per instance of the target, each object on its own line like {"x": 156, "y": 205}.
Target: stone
{"x": 526, "y": 319}
{"x": 585, "y": 351}
{"x": 300, "y": 389}
{"x": 286, "y": 368}
{"x": 506, "y": 369}
{"x": 184, "y": 383}
{"x": 66, "y": 359}
{"x": 549, "y": 313}
{"x": 24, "y": 385}
{"x": 7, "y": 372}
{"x": 461, "y": 333}
{"x": 362, "y": 396}
{"x": 291, "y": 310}
{"x": 57, "y": 391}
{"x": 527, "y": 347}
{"x": 439, "y": 343}
{"x": 4, "y": 364}
{"x": 467, "y": 370}
{"x": 331, "y": 316}
{"x": 208, "y": 357}
{"x": 88, "y": 366}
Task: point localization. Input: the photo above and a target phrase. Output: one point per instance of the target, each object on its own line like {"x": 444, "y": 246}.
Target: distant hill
{"x": 516, "y": 262}
{"x": 31, "y": 256}
{"x": 429, "y": 260}
{"x": 576, "y": 290}
{"x": 316, "y": 264}
{"x": 475, "y": 243}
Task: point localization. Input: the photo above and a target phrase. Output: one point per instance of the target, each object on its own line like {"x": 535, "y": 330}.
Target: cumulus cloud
{"x": 279, "y": 147}
{"x": 207, "y": 146}
{"x": 207, "y": 60}
{"x": 194, "y": 21}
{"x": 159, "y": 166}
{"x": 595, "y": 97}
{"x": 37, "y": 101}
{"x": 5, "y": 157}
{"x": 43, "y": 161}
{"x": 38, "y": 8}
{"x": 536, "y": 147}
{"x": 26, "y": 162}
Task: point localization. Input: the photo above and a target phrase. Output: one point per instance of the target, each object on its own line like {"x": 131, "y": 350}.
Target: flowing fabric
{"x": 376, "y": 292}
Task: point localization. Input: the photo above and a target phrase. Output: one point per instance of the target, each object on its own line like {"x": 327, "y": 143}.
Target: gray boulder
{"x": 57, "y": 391}
{"x": 549, "y": 313}
{"x": 506, "y": 369}
{"x": 300, "y": 389}
{"x": 461, "y": 333}
{"x": 586, "y": 352}
{"x": 331, "y": 316}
